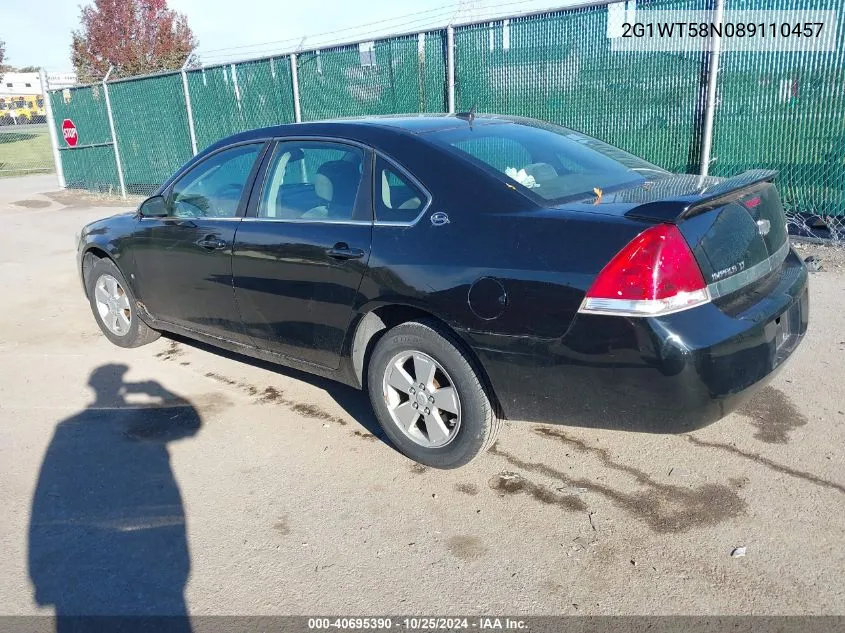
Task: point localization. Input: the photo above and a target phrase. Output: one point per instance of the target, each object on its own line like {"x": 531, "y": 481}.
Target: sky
{"x": 230, "y": 30}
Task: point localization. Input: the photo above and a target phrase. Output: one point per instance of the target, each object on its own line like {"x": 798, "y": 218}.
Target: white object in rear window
{"x": 522, "y": 177}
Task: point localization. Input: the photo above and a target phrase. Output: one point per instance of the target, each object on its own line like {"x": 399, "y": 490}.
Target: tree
{"x": 2, "y": 51}
{"x": 135, "y": 36}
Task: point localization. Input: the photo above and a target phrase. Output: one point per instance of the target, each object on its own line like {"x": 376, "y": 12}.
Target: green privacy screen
{"x": 90, "y": 164}
{"x": 398, "y": 75}
{"x": 558, "y": 67}
{"x": 786, "y": 111}
{"x": 151, "y": 123}
{"x": 239, "y": 97}
{"x": 779, "y": 110}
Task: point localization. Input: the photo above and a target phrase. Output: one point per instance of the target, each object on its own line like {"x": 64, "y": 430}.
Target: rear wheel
{"x": 114, "y": 306}
{"x": 428, "y": 397}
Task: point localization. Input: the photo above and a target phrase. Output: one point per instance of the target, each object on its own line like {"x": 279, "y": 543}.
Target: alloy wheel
{"x": 113, "y": 305}
{"x": 422, "y": 399}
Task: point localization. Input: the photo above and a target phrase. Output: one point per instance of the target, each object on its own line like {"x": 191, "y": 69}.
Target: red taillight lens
{"x": 752, "y": 203}
{"x": 655, "y": 274}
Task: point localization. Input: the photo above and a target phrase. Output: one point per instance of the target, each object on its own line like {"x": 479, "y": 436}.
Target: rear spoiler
{"x": 676, "y": 208}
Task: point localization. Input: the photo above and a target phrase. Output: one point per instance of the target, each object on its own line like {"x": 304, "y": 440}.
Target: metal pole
{"x": 450, "y": 69}
{"x": 294, "y": 78}
{"x": 51, "y": 129}
{"x": 114, "y": 135}
{"x": 712, "y": 77}
{"x": 190, "y": 109}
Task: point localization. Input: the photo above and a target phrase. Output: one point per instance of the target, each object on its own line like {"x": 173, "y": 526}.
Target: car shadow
{"x": 355, "y": 402}
{"x": 107, "y": 530}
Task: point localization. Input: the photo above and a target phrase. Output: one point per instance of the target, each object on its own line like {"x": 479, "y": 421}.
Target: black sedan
{"x": 463, "y": 269}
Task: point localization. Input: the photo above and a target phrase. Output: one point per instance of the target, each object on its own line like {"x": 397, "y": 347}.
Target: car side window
{"x": 314, "y": 181}
{"x": 213, "y": 189}
{"x": 397, "y": 198}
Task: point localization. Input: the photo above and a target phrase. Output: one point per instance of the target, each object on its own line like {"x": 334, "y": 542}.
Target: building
{"x": 20, "y": 84}
{"x": 13, "y": 83}
{"x": 21, "y": 101}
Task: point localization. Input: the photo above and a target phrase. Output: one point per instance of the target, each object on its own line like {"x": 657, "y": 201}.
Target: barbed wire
{"x": 439, "y": 19}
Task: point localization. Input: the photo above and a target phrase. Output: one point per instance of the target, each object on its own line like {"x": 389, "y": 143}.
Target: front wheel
{"x": 114, "y": 306}
{"x": 429, "y": 398}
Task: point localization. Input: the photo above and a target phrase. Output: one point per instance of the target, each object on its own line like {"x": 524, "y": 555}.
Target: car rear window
{"x": 547, "y": 162}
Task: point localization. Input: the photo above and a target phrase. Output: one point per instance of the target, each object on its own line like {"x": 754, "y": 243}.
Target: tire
{"x": 126, "y": 331}
{"x": 392, "y": 393}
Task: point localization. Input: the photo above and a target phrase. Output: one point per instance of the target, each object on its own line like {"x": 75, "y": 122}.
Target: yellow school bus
{"x": 22, "y": 109}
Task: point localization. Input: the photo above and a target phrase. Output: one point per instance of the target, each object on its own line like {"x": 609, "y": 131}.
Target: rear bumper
{"x": 664, "y": 375}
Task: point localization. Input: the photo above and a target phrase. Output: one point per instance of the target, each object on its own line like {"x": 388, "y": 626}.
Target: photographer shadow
{"x": 107, "y": 530}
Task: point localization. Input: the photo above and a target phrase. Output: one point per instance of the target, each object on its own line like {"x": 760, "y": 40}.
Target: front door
{"x": 184, "y": 259}
{"x": 302, "y": 250}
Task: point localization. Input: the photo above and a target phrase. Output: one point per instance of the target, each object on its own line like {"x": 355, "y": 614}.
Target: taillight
{"x": 753, "y": 203}
{"x": 655, "y": 274}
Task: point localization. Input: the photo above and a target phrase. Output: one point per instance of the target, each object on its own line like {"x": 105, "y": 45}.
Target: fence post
{"x": 450, "y": 69}
{"x": 189, "y": 108}
{"x": 114, "y": 135}
{"x": 51, "y": 128}
{"x": 294, "y": 78}
{"x": 712, "y": 78}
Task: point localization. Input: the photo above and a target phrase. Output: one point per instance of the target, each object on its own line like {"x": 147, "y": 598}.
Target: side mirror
{"x": 155, "y": 207}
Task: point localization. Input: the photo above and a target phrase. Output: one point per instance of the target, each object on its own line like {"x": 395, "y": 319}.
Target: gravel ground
{"x": 175, "y": 477}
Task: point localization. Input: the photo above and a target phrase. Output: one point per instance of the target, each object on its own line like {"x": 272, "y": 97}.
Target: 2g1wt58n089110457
{"x": 737, "y": 31}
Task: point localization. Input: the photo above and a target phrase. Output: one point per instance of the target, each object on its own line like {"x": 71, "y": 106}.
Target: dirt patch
{"x": 508, "y": 483}
{"x": 316, "y": 413}
{"x": 365, "y": 436}
{"x": 32, "y": 204}
{"x": 467, "y": 489}
{"x": 171, "y": 352}
{"x": 219, "y": 378}
{"x": 281, "y": 526}
{"x": 663, "y": 507}
{"x": 272, "y": 395}
{"x": 418, "y": 469}
{"x": 466, "y": 547}
{"x": 768, "y": 463}
{"x": 773, "y": 414}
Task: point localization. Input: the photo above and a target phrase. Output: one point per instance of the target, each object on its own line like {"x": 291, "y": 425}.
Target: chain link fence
{"x": 90, "y": 163}
{"x": 24, "y": 134}
{"x": 781, "y": 110}
{"x": 24, "y": 149}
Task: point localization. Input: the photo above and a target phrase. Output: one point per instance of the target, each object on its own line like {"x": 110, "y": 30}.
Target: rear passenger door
{"x": 302, "y": 250}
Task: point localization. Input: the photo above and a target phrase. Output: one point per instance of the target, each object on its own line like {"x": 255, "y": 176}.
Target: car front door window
{"x": 213, "y": 189}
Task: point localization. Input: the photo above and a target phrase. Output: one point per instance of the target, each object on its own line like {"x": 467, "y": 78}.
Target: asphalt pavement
{"x": 175, "y": 478}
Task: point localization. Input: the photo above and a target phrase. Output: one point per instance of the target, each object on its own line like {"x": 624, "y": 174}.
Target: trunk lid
{"x": 736, "y": 227}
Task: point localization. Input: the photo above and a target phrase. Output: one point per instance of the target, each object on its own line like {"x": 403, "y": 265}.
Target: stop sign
{"x": 69, "y": 132}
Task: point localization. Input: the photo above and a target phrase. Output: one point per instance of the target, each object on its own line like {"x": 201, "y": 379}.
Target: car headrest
{"x": 337, "y": 182}
{"x": 541, "y": 171}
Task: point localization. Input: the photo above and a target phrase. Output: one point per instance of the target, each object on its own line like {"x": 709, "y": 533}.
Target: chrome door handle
{"x": 211, "y": 243}
{"x": 343, "y": 252}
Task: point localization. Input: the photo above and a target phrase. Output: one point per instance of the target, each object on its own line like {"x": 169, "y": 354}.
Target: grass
{"x": 25, "y": 150}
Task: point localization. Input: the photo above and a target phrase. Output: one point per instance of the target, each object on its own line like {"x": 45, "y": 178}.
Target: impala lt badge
{"x": 727, "y": 272}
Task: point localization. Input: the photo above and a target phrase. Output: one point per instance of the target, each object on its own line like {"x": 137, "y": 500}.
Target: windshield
{"x": 548, "y": 161}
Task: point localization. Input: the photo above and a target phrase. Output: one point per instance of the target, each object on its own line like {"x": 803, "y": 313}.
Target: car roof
{"x": 358, "y": 127}
{"x": 422, "y": 123}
